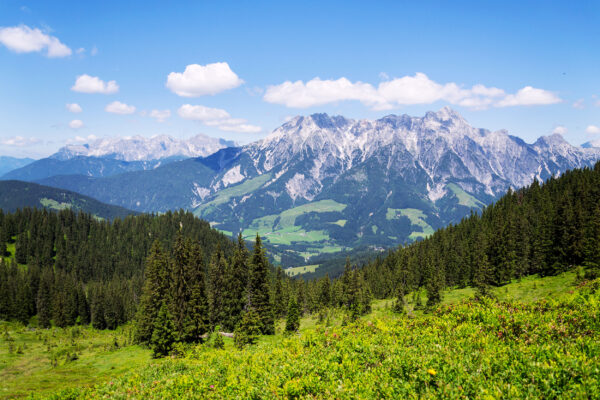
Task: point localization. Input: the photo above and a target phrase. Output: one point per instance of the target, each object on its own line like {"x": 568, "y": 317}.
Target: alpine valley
{"x": 323, "y": 184}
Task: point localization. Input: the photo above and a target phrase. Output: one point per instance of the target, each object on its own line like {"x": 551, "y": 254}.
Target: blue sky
{"x": 528, "y": 67}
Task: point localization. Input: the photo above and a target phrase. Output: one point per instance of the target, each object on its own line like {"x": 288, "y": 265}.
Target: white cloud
{"x": 560, "y": 129}
{"x": 76, "y": 124}
{"x": 202, "y": 113}
{"x": 216, "y": 117}
{"x": 74, "y": 107}
{"x": 199, "y": 80}
{"x": 94, "y": 51}
{"x": 93, "y": 84}
{"x": 592, "y": 129}
{"x": 23, "y": 39}
{"x": 408, "y": 90}
{"x": 160, "y": 115}
{"x": 80, "y": 139}
{"x": 580, "y": 104}
{"x": 80, "y": 51}
{"x": 529, "y": 96}
{"x": 116, "y": 107}
{"x": 19, "y": 141}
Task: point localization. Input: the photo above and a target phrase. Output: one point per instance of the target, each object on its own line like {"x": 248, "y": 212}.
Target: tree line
{"x": 541, "y": 229}
{"x": 69, "y": 267}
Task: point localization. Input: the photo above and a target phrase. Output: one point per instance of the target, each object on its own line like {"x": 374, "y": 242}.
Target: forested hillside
{"x": 542, "y": 229}
{"x": 67, "y": 267}
{"x": 17, "y": 194}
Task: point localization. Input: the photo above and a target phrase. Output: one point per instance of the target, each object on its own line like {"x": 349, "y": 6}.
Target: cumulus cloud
{"x": 592, "y": 129}
{"x": 81, "y": 139}
{"x": 74, "y": 107}
{"x": 408, "y": 90}
{"x": 76, "y": 124}
{"x": 92, "y": 84}
{"x": 19, "y": 141}
{"x": 160, "y": 115}
{"x": 560, "y": 129}
{"x": 116, "y": 107}
{"x": 216, "y": 117}
{"x": 23, "y": 39}
{"x": 529, "y": 96}
{"x": 199, "y": 80}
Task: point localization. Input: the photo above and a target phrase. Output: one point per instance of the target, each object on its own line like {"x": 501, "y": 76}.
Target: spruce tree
{"x": 258, "y": 289}
{"x": 279, "y": 305}
{"x": 248, "y": 330}
{"x": 196, "y": 320}
{"x": 293, "y": 316}
{"x": 97, "y": 309}
{"x": 179, "y": 291}
{"x": 217, "y": 281}
{"x": 483, "y": 271}
{"x": 325, "y": 292}
{"x": 164, "y": 333}
{"x": 237, "y": 282}
{"x": 3, "y": 240}
{"x": 154, "y": 293}
{"x": 44, "y": 298}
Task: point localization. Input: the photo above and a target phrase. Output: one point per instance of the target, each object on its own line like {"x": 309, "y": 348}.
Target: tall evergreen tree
{"x": 293, "y": 316}
{"x": 237, "y": 283}
{"x": 258, "y": 289}
{"x": 164, "y": 333}
{"x": 44, "y": 298}
{"x": 153, "y": 294}
{"x": 217, "y": 281}
{"x": 197, "y": 317}
{"x": 179, "y": 292}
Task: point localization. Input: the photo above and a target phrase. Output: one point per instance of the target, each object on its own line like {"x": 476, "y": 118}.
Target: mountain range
{"x": 323, "y": 183}
{"x": 113, "y": 156}
{"x": 8, "y": 164}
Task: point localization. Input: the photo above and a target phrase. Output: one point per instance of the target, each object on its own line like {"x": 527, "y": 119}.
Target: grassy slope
{"x": 32, "y": 372}
{"x": 281, "y": 228}
{"x": 283, "y": 366}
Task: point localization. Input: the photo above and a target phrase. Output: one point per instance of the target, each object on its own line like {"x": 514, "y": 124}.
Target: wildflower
{"x": 212, "y": 387}
{"x": 431, "y": 372}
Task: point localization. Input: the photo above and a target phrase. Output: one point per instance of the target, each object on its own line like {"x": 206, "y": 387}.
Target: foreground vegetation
{"x": 540, "y": 338}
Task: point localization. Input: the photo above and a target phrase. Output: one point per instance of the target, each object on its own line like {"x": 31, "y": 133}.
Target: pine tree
{"x": 164, "y": 333}
{"x": 279, "y": 305}
{"x": 97, "y": 309}
{"x": 22, "y": 248}
{"x": 179, "y": 291}
{"x": 196, "y": 320}
{"x": 346, "y": 282}
{"x": 248, "y": 329}
{"x": 258, "y": 289}
{"x": 44, "y": 298}
{"x": 483, "y": 271}
{"x": 293, "y": 316}
{"x": 153, "y": 294}
{"x": 325, "y": 292}
{"x": 3, "y": 240}
{"x": 235, "y": 296}
{"x": 216, "y": 292}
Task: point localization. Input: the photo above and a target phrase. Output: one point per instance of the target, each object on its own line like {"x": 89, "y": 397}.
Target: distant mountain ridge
{"x": 112, "y": 156}
{"x": 8, "y": 164}
{"x": 139, "y": 148}
{"x": 323, "y": 183}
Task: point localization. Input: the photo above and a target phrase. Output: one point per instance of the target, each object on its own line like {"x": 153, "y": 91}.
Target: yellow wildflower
{"x": 431, "y": 372}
